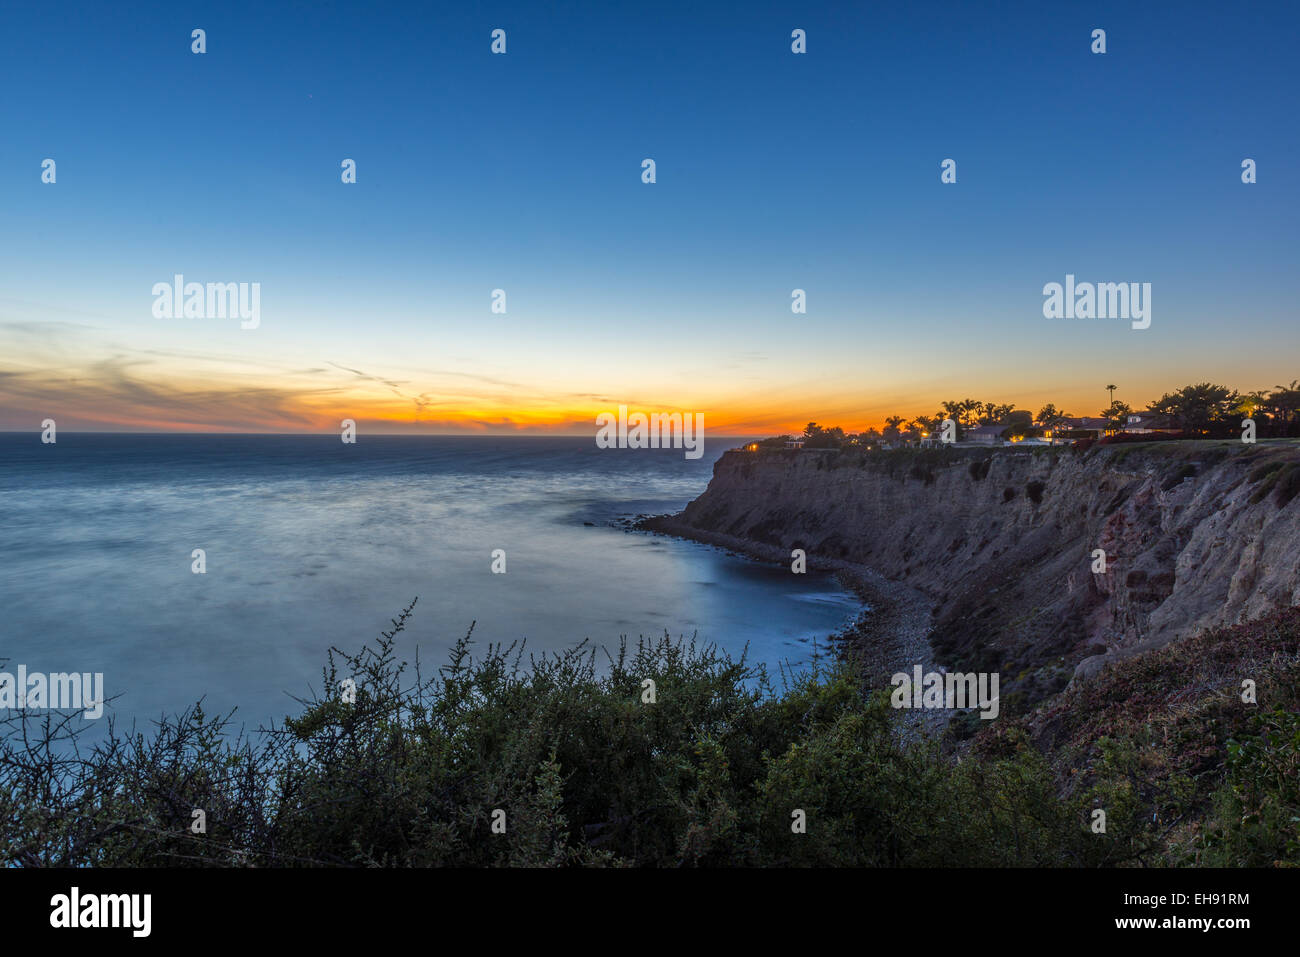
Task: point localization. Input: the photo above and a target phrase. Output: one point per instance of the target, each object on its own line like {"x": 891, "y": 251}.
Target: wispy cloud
{"x": 84, "y": 378}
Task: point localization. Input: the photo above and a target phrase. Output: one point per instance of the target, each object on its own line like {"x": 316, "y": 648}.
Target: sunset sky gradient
{"x": 522, "y": 172}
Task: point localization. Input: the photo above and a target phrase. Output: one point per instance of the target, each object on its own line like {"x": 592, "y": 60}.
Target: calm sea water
{"x": 312, "y": 543}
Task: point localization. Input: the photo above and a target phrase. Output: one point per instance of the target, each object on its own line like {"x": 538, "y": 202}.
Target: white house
{"x": 1147, "y": 421}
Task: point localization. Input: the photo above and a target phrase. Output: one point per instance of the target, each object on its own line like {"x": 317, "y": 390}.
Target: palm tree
{"x": 1285, "y": 400}
{"x": 926, "y": 423}
{"x": 1252, "y": 402}
{"x": 1111, "y": 389}
{"x": 891, "y": 431}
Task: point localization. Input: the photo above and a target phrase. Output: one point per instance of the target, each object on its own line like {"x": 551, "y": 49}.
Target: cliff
{"x": 1196, "y": 534}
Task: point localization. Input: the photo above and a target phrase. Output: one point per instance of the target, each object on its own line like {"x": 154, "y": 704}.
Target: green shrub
{"x": 416, "y": 770}
{"x": 1257, "y": 809}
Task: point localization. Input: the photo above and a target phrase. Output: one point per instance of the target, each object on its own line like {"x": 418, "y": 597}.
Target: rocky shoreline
{"x": 891, "y": 635}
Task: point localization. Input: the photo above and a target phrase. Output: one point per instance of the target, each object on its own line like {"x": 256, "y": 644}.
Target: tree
{"x": 832, "y": 438}
{"x": 1251, "y": 402}
{"x": 1111, "y": 389}
{"x": 1018, "y": 417}
{"x": 1117, "y": 414}
{"x": 1048, "y": 416}
{"x": 815, "y": 437}
{"x": 1167, "y": 404}
{"x": 1284, "y": 403}
{"x": 927, "y": 423}
{"x": 1020, "y": 423}
{"x": 1199, "y": 407}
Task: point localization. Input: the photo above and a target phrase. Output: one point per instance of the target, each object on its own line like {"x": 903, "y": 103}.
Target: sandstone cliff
{"x": 1196, "y": 534}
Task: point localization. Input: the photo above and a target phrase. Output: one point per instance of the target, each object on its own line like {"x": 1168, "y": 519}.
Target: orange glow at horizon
{"x": 312, "y": 413}
{"x": 199, "y": 392}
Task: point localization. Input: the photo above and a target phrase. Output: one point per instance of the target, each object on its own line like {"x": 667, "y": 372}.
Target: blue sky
{"x": 522, "y": 172}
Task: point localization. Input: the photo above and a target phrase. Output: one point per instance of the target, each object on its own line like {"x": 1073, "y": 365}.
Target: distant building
{"x": 794, "y": 443}
{"x": 1148, "y": 421}
{"x": 1065, "y": 431}
{"x": 985, "y": 435}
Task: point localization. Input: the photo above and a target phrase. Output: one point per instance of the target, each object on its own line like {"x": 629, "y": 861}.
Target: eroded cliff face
{"x": 1195, "y": 534}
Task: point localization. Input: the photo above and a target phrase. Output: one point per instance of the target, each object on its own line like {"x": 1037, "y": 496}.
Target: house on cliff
{"x": 1147, "y": 421}
{"x": 984, "y": 435}
{"x": 1065, "y": 431}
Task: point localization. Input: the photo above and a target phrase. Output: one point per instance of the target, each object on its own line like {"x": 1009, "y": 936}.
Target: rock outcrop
{"x": 1195, "y": 534}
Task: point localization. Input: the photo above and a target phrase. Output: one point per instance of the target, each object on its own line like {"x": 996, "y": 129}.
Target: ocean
{"x": 310, "y": 543}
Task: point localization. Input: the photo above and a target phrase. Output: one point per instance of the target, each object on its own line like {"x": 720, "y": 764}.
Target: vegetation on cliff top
{"x": 1174, "y": 459}
{"x": 1200, "y": 409}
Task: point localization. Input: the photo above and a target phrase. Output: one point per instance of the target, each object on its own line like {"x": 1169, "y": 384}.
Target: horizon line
{"x": 446, "y": 435}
